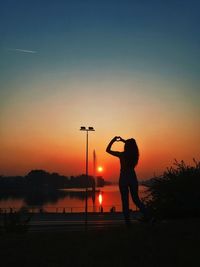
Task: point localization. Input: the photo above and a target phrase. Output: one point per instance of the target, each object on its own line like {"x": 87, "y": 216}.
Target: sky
{"x": 127, "y": 68}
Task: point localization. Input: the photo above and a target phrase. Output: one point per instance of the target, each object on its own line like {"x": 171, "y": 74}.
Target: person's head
{"x": 131, "y": 151}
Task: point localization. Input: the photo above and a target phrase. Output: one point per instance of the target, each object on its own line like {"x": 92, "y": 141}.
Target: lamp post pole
{"x": 83, "y": 128}
{"x": 86, "y": 189}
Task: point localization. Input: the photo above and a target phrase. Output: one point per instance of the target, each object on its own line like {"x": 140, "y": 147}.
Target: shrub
{"x": 176, "y": 193}
{"x": 16, "y": 221}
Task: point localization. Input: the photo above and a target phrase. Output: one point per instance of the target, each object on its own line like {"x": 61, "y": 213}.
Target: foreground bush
{"x": 16, "y": 221}
{"x": 176, "y": 193}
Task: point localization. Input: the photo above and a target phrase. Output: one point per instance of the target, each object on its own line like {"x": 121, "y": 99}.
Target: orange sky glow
{"x": 43, "y": 132}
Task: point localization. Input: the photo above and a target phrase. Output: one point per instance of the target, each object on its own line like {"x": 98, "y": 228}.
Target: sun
{"x": 100, "y": 169}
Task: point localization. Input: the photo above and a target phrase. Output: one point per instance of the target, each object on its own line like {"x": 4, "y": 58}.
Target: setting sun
{"x": 100, "y": 169}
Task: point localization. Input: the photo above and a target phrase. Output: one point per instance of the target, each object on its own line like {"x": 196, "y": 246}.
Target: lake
{"x": 73, "y": 200}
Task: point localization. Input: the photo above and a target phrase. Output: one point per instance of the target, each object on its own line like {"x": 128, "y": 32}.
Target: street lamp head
{"x": 90, "y": 128}
{"x": 82, "y": 128}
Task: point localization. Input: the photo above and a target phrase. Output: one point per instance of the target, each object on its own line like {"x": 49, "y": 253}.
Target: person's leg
{"x": 135, "y": 197}
{"x": 125, "y": 200}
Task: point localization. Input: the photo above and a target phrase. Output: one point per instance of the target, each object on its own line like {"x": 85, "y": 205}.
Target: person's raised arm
{"x": 108, "y": 149}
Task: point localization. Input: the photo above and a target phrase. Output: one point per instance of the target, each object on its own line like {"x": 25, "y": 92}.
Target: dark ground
{"x": 171, "y": 243}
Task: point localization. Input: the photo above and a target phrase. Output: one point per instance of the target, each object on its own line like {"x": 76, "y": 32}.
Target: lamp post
{"x": 86, "y": 129}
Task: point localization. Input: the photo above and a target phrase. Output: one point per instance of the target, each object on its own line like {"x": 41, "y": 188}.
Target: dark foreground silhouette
{"x": 173, "y": 243}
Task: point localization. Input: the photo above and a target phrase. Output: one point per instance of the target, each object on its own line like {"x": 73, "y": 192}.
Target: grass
{"x": 172, "y": 243}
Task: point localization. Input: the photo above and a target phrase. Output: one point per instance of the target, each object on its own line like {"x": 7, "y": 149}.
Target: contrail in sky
{"x": 23, "y": 50}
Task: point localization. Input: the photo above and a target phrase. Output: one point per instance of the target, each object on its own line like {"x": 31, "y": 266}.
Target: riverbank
{"x": 170, "y": 243}
{"x": 42, "y": 221}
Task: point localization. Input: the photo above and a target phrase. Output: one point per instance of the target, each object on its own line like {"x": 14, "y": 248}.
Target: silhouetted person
{"x": 112, "y": 209}
{"x": 128, "y": 179}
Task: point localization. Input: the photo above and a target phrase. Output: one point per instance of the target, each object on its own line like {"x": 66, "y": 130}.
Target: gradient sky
{"x": 128, "y": 68}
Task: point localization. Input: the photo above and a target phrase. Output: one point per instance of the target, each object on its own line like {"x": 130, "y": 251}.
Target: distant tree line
{"x": 40, "y": 180}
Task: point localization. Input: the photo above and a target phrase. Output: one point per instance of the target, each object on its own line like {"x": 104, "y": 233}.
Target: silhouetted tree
{"x": 100, "y": 181}
{"x": 176, "y": 193}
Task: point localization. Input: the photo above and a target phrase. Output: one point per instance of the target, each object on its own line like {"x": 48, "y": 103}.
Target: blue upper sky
{"x": 160, "y": 36}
